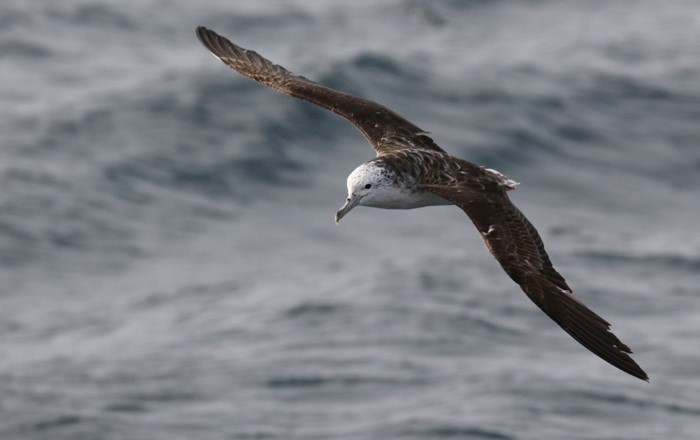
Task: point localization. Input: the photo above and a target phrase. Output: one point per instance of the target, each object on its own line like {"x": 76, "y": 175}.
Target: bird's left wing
{"x": 384, "y": 129}
{"x": 517, "y": 246}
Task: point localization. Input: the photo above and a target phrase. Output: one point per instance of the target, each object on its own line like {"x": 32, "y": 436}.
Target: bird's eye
{"x": 368, "y": 186}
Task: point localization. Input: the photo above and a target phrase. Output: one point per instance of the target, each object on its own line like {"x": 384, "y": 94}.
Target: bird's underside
{"x": 480, "y": 193}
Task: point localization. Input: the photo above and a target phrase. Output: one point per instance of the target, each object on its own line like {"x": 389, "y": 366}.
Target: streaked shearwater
{"x": 411, "y": 171}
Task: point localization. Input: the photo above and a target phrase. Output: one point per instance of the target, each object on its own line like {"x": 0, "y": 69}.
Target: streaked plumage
{"x": 408, "y": 161}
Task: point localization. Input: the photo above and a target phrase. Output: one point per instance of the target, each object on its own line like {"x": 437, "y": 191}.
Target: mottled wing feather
{"x": 517, "y": 246}
{"x": 384, "y": 129}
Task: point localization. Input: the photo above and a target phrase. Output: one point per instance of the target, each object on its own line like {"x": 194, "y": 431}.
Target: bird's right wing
{"x": 517, "y": 246}
{"x": 384, "y": 129}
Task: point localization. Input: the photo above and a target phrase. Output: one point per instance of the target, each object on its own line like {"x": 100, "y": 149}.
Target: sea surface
{"x": 169, "y": 264}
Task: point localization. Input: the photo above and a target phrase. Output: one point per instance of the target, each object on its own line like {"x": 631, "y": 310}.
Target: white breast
{"x": 403, "y": 198}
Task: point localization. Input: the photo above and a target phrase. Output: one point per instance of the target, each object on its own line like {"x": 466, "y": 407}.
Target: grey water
{"x": 169, "y": 265}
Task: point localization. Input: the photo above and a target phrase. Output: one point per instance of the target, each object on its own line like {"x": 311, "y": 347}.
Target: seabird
{"x": 411, "y": 171}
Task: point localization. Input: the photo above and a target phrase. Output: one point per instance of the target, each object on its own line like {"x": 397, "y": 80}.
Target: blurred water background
{"x": 169, "y": 265}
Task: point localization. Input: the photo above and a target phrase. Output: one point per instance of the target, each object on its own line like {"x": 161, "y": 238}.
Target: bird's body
{"x": 391, "y": 190}
{"x": 399, "y": 177}
{"x": 411, "y": 171}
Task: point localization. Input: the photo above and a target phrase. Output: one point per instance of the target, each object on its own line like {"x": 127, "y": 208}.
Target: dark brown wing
{"x": 384, "y": 129}
{"x": 517, "y": 246}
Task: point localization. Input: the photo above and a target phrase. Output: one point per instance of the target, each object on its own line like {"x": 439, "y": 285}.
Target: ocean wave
{"x": 673, "y": 261}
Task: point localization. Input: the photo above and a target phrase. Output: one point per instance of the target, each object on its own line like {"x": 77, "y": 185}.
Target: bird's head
{"x": 367, "y": 185}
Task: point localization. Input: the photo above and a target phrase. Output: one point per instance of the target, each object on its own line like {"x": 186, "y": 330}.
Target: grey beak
{"x": 350, "y": 203}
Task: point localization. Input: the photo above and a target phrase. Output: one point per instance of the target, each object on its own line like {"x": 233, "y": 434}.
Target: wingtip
{"x": 201, "y": 32}
{"x": 206, "y": 36}
{"x": 644, "y": 376}
{"x": 639, "y": 374}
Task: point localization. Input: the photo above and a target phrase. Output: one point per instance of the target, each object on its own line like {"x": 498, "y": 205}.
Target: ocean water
{"x": 169, "y": 265}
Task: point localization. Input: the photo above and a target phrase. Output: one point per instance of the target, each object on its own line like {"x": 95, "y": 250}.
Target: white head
{"x": 367, "y": 185}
